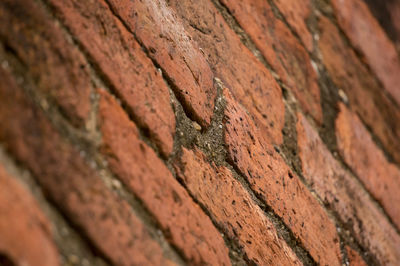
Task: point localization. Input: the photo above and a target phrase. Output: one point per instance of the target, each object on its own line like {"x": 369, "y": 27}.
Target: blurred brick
{"x": 367, "y": 36}
{"x": 70, "y": 183}
{"x": 137, "y": 165}
{"x": 354, "y": 258}
{"x": 26, "y": 237}
{"x": 364, "y": 93}
{"x": 281, "y": 49}
{"x": 123, "y": 63}
{"x": 233, "y": 209}
{"x": 345, "y": 196}
{"x": 48, "y": 57}
{"x": 278, "y": 186}
{"x": 360, "y": 152}
{"x": 296, "y": 13}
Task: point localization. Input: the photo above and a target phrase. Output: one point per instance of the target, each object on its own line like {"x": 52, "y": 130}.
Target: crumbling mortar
{"x": 211, "y": 142}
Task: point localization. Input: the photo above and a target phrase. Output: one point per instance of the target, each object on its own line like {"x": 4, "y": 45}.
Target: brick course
{"x": 211, "y": 132}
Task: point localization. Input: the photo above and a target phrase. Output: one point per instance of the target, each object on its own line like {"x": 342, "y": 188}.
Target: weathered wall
{"x": 194, "y": 132}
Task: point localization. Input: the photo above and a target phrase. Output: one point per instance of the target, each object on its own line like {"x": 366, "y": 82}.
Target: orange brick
{"x": 367, "y": 36}
{"x": 137, "y": 165}
{"x": 164, "y": 36}
{"x": 71, "y": 184}
{"x": 26, "y": 237}
{"x": 280, "y": 188}
{"x": 281, "y": 49}
{"x": 354, "y": 258}
{"x": 345, "y": 196}
{"x": 125, "y": 66}
{"x": 387, "y": 13}
{"x": 360, "y": 152}
{"x": 55, "y": 65}
{"x": 364, "y": 93}
{"x": 233, "y": 209}
{"x": 296, "y": 13}
{"x": 235, "y": 65}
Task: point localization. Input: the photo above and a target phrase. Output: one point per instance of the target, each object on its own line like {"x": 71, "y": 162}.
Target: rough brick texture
{"x": 145, "y": 174}
{"x": 278, "y": 186}
{"x": 343, "y": 193}
{"x": 281, "y": 49}
{"x": 234, "y": 210}
{"x": 199, "y": 132}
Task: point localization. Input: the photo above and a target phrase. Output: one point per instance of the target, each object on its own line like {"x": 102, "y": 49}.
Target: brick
{"x": 387, "y": 12}
{"x": 56, "y": 66}
{"x": 124, "y": 65}
{"x": 233, "y": 209}
{"x": 364, "y": 93}
{"x": 139, "y": 168}
{"x": 278, "y": 186}
{"x": 281, "y": 49}
{"x": 296, "y": 14}
{"x": 71, "y": 184}
{"x": 162, "y": 33}
{"x": 368, "y": 162}
{"x": 354, "y": 258}
{"x": 26, "y": 237}
{"x": 345, "y": 196}
{"x": 359, "y": 24}
{"x": 234, "y": 64}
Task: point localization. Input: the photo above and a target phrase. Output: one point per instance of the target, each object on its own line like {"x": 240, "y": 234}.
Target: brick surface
{"x": 234, "y": 64}
{"x": 367, "y": 36}
{"x": 296, "y": 13}
{"x": 354, "y": 258}
{"x": 387, "y": 13}
{"x": 360, "y": 152}
{"x": 233, "y": 209}
{"x": 281, "y": 49}
{"x": 137, "y": 165}
{"x": 26, "y": 237}
{"x": 50, "y": 59}
{"x": 364, "y": 93}
{"x": 342, "y": 193}
{"x": 123, "y": 63}
{"x": 278, "y": 186}
{"x": 86, "y": 109}
{"x": 69, "y": 182}
{"x": 163, "y": 34}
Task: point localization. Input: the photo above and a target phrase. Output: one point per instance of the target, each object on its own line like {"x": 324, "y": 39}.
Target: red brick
{"x": 56, "y": 66}
{"x": 281, "y": 49}
{"x": 123, "y": 63}
{"x": 280, "y": 188}
{"x": 164, "y": 36}
{"x": 354, "y": 258}
{"x": 26, "y": 237}
{"x": 345, "y": 196}
{"x": 71, "y": 184}
{"x": 234, "y": 64}
{"x": 137, "y": 165}
{"x": 233, "y": 209}
{"x": 364, "y": 93}
{"x": 368, "y": 162}
{"x": 296, "y": 13}
{"x": 367, "y": 36}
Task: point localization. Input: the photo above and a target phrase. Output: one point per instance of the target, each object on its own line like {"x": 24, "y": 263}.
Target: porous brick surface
{"x": 207, "y": 132}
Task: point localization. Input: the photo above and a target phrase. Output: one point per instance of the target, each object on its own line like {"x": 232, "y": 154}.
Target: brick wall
{"x": 211, "y": 132}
